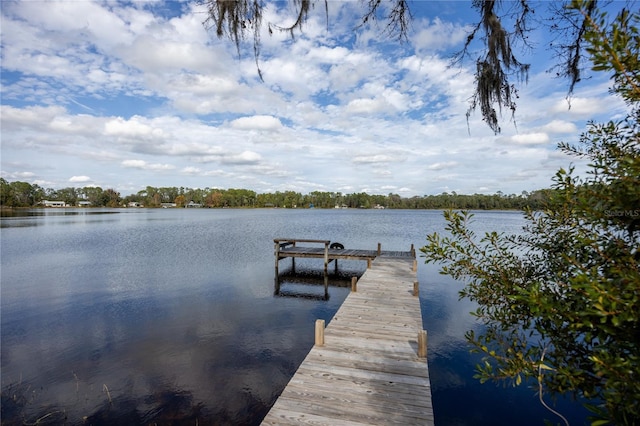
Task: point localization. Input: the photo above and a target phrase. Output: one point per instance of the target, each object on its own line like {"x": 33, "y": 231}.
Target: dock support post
{"x": 415, "y": 265}
{"x": 293, "y": 265}
{"x": 413, "y": 251}
{"x": 276, "y": 286}
{"x": 320, "y": 332}
{"x": 379, "y": 249}
{"x": 422, "y": 344}
{"x": 326, "y": 257}
{"x": 416, "y": 288}
{"x": 326, "y": 287}
{"x": 354, "y": 284}
{"x": 368, "y": 263}
{"x": 277, "y": 253}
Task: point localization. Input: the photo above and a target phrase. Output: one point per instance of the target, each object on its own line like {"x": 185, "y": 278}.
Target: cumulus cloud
{"x": 373, "y": 159}
{"x": 134, "y": 127}
{"x": 257, "y": 122}
{"x": 245, "y": 157}
{"x": 438, "y": 35}
{"x": 559, "y": 126}
{"x": 143, "y": 165}
{"x": 529, "y": 139}
{"x": 443, "y": 165}
{"x": 578, "y": 106}
{"x": 79, "y": 179}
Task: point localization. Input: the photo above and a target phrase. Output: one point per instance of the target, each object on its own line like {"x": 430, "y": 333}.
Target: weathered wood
{"x": 416, "y": 288}
{"x": 368, "y": 372}
{"x": 422, "y": 344}
{"x": 319, "y": 332}
{"x": 354, "y": 284}
{"x": 288, "y": 248}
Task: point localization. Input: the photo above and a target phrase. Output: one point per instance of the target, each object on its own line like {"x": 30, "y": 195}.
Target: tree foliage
{"x": 560, "y": 302}
{"x": 23, "y": 194}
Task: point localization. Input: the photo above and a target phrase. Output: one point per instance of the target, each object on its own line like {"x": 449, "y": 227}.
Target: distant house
{"x": 134, "y": 204}
{"x": 168, "y": 205}
{"x": 48, "y": 203}
{"x": 84, "y": 203}
{"x": 193, "y": 205}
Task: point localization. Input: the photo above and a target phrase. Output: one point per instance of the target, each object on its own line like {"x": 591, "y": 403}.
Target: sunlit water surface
{"x": 169, "y": 316}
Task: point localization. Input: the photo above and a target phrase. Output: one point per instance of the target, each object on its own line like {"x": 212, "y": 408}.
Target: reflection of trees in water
{"x": 165, "y": 407}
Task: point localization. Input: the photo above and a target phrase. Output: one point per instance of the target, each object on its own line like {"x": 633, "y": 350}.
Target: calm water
{"x": 169, "y": 315}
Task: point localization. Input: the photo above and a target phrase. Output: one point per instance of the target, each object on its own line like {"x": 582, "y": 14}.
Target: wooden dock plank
{"x": 368, "y": 371}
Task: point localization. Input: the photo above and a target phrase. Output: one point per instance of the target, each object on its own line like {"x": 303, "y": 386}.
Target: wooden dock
{"x": 368, "y": 366}
{"x": 324, "y": 249}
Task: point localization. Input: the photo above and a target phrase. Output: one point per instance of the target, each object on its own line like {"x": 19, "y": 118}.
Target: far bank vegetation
{"x": 24, "y": 194}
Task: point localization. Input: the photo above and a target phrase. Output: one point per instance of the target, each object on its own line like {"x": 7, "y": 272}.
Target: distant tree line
{"x": 23, "y": 194}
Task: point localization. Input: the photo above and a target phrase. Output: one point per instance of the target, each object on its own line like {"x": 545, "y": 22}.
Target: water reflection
{"x": 13, "y": 218}
{"x": 309, "y": 284}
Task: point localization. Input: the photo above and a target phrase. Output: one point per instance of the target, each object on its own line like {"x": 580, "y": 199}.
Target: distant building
{"x": 168, "y": 205}
{"x": 193, "y": 205}
{"x": 84, "y": 203}
{"x": 134, "y": 204}
{"x": 48, "y": 203}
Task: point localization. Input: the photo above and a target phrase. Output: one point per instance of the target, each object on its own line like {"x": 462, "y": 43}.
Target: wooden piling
{"x": 326, "y": 257}
{"x": 379, "y": 249}
{"x": 354, "y": 284}
{"x": 320, "y": 332}
{"x": 416, "y": 288}
{"x": 415, "y": 265}
{"x": 422, "y": 344}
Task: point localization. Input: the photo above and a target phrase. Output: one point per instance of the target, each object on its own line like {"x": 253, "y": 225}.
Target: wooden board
{"x": 368, "y": 371}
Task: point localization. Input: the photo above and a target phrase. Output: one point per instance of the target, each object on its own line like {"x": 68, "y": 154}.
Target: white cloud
{"x": 438, "y": 35}
{"x": 529, "y": 139}
{"x": 443, "y": 166}
{"x": 257, "y": 122}
{"x": 134, "y": 127}
{"x": 559, "y": 126}
{"x": 366, "y": 106}
{"x": 143, "y": 165}
{"x": 79, "y": 179}
{"x": 191, "y": 170}
{"x": 243, "y": 158}
{"x": 578, "y": 106}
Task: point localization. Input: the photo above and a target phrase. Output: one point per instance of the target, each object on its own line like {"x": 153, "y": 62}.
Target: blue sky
{"x": 128, "y": 94}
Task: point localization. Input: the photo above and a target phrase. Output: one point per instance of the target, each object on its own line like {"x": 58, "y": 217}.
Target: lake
{"x": 169, "y": 316}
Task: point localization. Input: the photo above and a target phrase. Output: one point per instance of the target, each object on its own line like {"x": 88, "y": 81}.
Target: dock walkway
{"x": 369, "y": 365}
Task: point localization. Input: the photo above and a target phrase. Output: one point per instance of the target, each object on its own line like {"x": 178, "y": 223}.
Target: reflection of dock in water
{"x": 305, "y": 285}
{"x": 369, "y": 364}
